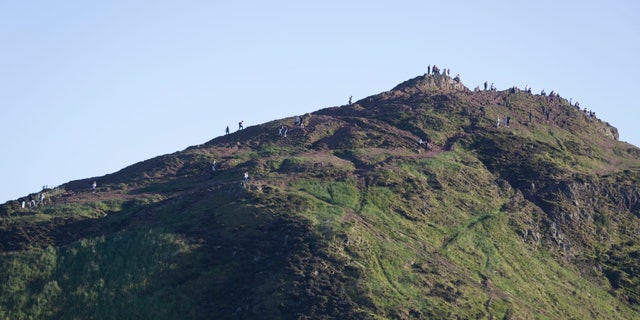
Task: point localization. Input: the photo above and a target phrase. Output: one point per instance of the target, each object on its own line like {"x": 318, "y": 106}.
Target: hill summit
{"x": 427, "y": 201}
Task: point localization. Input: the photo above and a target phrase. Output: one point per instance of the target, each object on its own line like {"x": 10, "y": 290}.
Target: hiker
{"x": 485, "y": 86}
{"x": 429, "y": 69}
{"x": 93, "y": 186}
{"x": 226, "y": 131}
{"x": 32, "y": 203}
{"x": 420, "y": 142}
{"x": 498, "y": 122}
{"x": 285, "y": 131}
{"x": 508, "y": 120}
{"x": 213, "y": 165}
{"x": 457, "y": 78}
{"x": 246, "y": 177}
{"x": 280, "y": 130}
{"x": 350, "y": 97}
{"x": 240, "y": 127}
{"x": 41, "y": 199}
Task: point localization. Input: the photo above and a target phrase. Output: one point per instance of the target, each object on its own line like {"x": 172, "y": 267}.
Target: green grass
{"x": 103, "y": 277}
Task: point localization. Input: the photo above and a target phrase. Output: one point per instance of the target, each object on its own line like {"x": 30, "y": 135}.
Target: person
{"x": 429, "y": 69}
{"x": 240, "y": 127}
{"x": 280, "y": 130}
{"x": 41, "y": 199}
{"x": 93, "y": 186}
{"x": 285, "y": 131}
{"x": 226, "y": 132}
{"x": 246, "y": 177}
{"x": 457, "y": 78}
{"x": 32, "y": 203}
{"x": 530, "y": 117}
{"x": 498, "y": 122}
{"x": 485, "y": 86}
{"x": 213, "y": 165}
{"x": 350, "y": 97}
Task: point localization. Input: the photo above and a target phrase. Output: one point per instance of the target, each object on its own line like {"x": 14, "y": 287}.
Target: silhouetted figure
{"x": 485, "y": 86}
{"x": 457, "y": 78}
{"x": 94, "y": 185}
{"x": 240, "y": 127}
{"x": 226, "y": 131}
{"x": 246, "y": 177}
{"x": 350, "y": 97}
{"x": 429, "y": 69}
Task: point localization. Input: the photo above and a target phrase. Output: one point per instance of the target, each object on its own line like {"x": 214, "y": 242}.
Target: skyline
{"x": 91, "y": 88}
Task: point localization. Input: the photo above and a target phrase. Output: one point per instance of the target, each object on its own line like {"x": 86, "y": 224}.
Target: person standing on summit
{"x": 240, "y": 127}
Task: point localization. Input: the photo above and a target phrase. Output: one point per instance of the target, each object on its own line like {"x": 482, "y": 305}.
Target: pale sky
{"x": 90, "y": 87}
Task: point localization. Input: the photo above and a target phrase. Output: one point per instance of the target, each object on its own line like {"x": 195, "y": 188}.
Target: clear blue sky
{"x": 90, "y": 87}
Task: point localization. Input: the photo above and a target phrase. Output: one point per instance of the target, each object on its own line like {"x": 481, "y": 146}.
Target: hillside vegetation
{"x": 348, "y": 217}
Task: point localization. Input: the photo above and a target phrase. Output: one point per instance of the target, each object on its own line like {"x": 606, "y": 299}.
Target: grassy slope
{"x": 345, "y": 219}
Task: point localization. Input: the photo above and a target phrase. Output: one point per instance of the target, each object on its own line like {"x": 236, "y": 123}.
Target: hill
{"x": 516, "y": 206}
